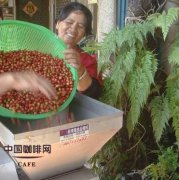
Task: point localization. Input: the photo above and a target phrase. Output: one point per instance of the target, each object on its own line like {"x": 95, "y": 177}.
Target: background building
{"x": 43, "y": 12}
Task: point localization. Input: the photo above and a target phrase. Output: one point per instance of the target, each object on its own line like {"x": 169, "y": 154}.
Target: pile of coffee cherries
{"x": 43, "y": 64}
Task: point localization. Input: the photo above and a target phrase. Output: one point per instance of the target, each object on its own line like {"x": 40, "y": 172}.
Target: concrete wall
{"x": 106, "y": 17}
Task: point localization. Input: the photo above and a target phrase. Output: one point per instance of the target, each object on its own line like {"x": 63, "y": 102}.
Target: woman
{"x": 72, "y": 24}
{"x": 29, "y": 81}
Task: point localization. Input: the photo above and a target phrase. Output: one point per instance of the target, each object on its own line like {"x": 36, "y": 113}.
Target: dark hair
{"x": 75, "y": 6}
{"x": 1, "y": 13}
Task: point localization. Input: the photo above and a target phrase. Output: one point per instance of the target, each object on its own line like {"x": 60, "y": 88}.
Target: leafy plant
{"x": 166, "y": 167}
{"x": 137, "y": 84}
{"x": 134, "y": 65}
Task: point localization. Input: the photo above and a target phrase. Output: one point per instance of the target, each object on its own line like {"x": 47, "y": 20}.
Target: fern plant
{"x": 132, "y": 86}
{"x": 165, "y": 168}
{"x": 134, "y": 67}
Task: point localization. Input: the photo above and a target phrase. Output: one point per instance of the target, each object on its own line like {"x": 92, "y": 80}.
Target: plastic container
{"x": 20, "y": 35}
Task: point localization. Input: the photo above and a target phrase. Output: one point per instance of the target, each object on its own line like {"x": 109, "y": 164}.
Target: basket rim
{"x": 51, "y": 34}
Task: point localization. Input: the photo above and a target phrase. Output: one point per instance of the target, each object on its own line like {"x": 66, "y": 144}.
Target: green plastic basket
{"x": 20, "y": 35}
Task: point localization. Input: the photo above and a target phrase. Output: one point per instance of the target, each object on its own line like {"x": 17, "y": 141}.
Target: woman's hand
{"x": 28, "y": 81}
{"x": 73, "y": 58}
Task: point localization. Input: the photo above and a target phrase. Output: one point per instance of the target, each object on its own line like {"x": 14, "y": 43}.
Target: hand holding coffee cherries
{"x": 28, "y": 81}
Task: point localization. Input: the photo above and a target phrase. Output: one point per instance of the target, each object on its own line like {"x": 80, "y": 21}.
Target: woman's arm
{"x": 94, "y": 90}
{"x": 89, "y": 82}
{"x": 28, "y": 81}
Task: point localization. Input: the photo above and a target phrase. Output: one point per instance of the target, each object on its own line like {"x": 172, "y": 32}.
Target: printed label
{"x": 74, "y": 135}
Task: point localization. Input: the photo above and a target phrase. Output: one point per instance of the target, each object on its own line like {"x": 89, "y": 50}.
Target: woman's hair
{"x": 1, "y": 13}
{"x": 76, "y": 6}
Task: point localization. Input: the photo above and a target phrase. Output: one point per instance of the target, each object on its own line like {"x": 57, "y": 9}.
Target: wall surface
{"x": 106, "y": 17}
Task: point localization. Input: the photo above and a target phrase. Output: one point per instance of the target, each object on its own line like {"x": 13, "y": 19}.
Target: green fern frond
{"x": 154, "y": 65}
{"x": 123, "y": 39}
{"x": 104, "y": 60}
{"x": 147, "y": 27}
{"x": 119, "y": 39}
{"x": 142, "y": 77}
{"x": 175, "y": 116}
{"x": 161, "y": 22}
{"x": 104, "y": 51}
{"x": 117, "y": 78}
{"x": 130, "y": 38}
{"x": 174, "y": 56}
{"x": 123, "y": 65}
{"x": 140, "y": 80}
{"x": 173, "y": 97}
{"x": 125, "y": 60}
{"x": 137, "y": 91}
{"x": 149, "y": 65}
{"x": 172, "y": 15}
{"x": 108, "y": 94}
{"x": 117, "y": 85}
{"x": 139, "y": 33}
{"x": 173, "y": 84}
{"x": 132, "y": 117}
{"x": 109, "y": 41}
{"x": 165, "y": 168}
{"x": 152, "y": 17}
{"x": 175, "y": 124}
{"x": 160, "y": 115}
{"x": 92, "y": 48}
{"x": 165, "y": 20}
{"x": 137, "y": 86}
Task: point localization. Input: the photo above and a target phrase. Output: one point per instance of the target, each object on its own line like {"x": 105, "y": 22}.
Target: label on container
{"x": 74, "y": 134}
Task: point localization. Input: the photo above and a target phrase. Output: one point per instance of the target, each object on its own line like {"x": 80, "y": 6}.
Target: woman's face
{"x": 72, "y": 29}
